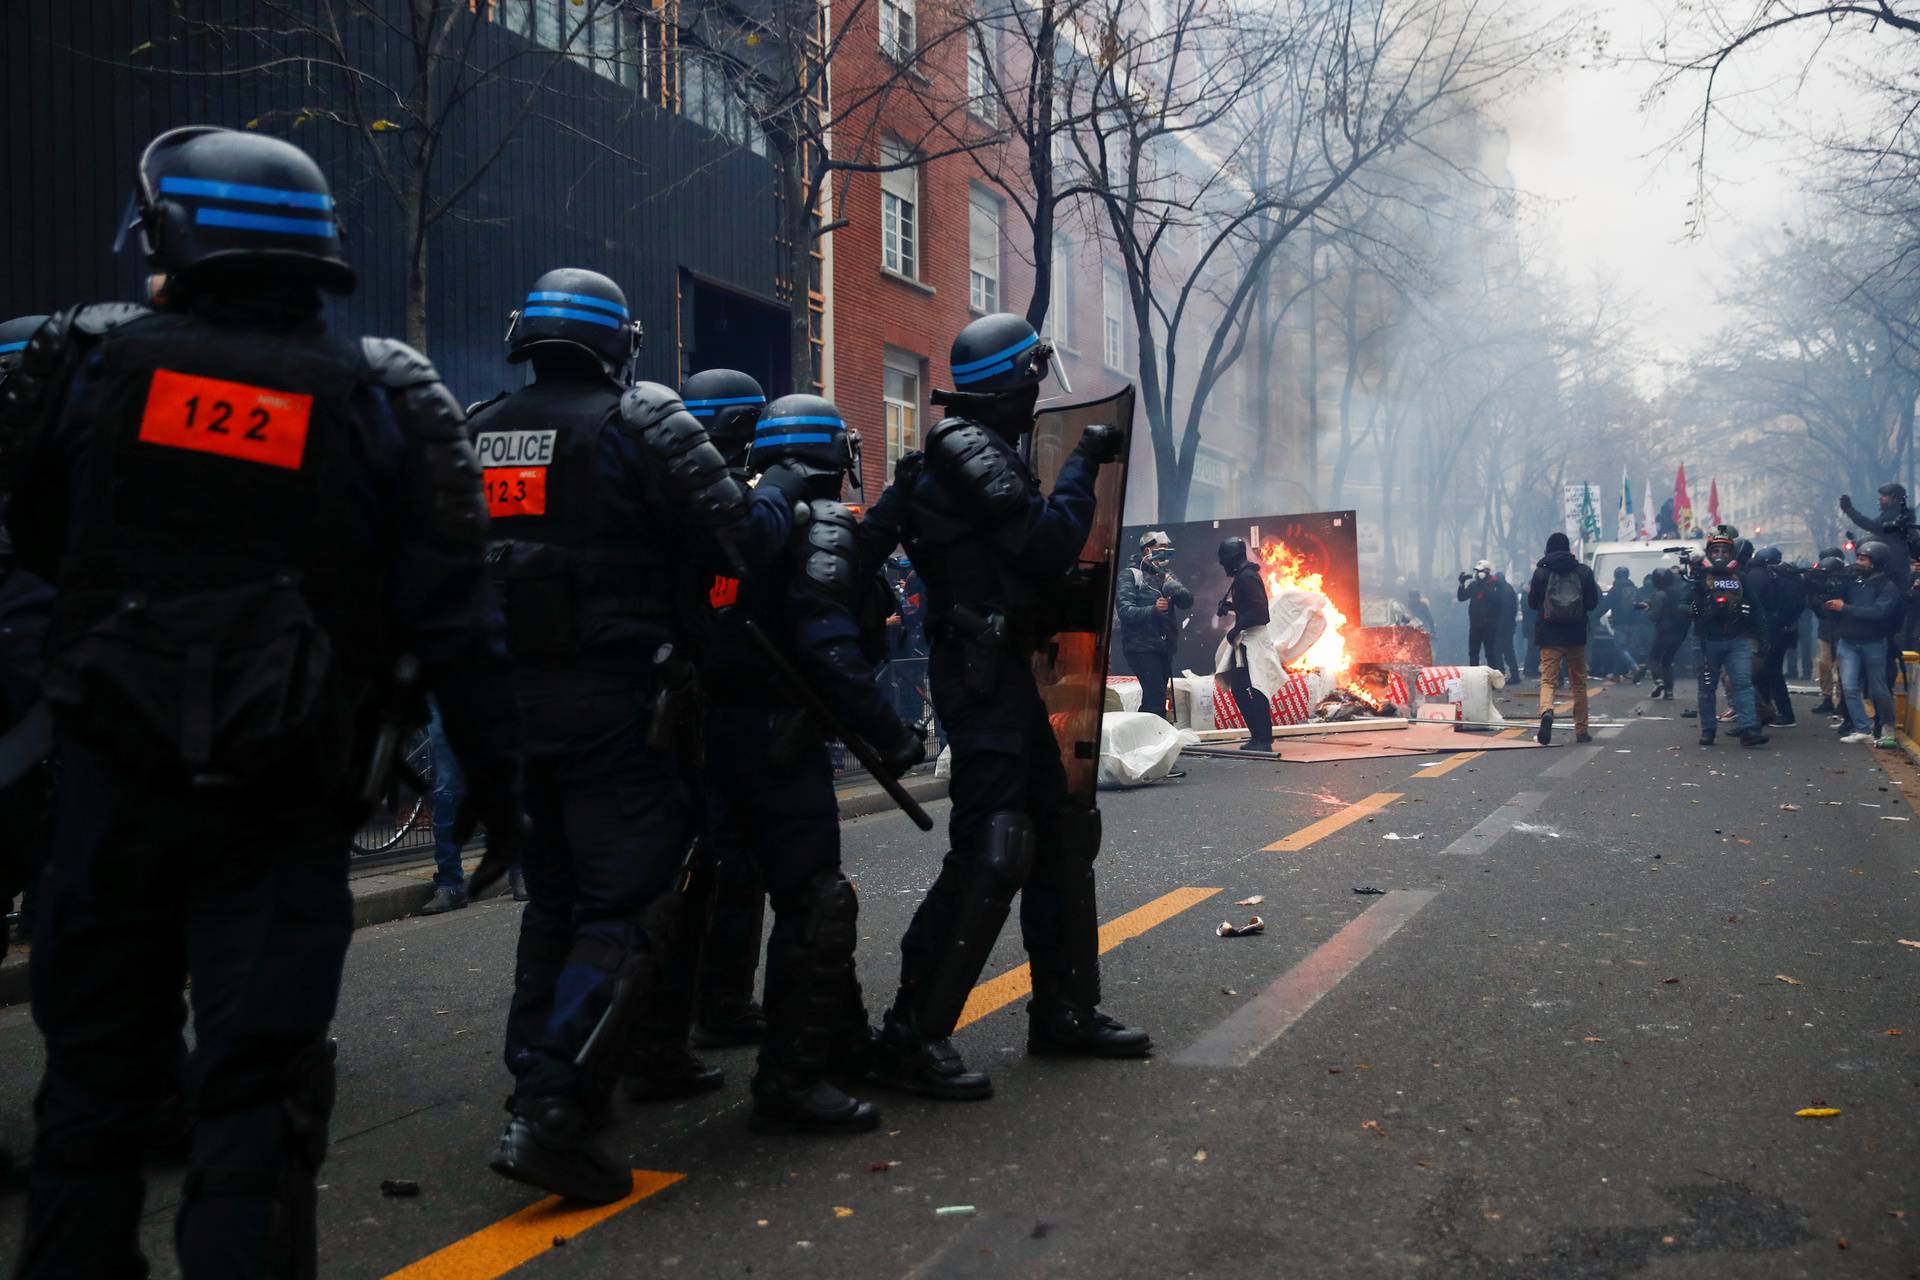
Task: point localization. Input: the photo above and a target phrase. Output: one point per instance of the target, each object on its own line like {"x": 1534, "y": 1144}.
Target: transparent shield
{"x": 1072, "y": 670}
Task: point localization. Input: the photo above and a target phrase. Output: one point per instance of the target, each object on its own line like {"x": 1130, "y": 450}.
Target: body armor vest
{"x": 953, "y": 547}
{"x": 569, "y": 580}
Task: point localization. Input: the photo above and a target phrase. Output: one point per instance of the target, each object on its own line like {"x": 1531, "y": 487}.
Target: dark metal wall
{"x": 596, "y": 178}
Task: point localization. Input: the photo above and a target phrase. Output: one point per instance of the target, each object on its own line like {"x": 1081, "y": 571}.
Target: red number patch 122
{"x": 232, "y": 419}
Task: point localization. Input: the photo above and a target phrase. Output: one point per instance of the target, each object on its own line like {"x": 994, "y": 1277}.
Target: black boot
{"x": 1545, "y": 736}
{"x": 1753, "y": 738}
{"x": 1706, "y": 738}
{"x": 904, "y": 1059}
{"x": 548, "y": 1144}
{"x": 813, "y": 1004}
{"x": 658, "y": 1072}
{"x": 1060, "y": 924}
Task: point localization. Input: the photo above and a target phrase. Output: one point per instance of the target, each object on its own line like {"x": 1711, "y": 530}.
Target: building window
{"x": 983, "y": 236}
{"x": 896, "y": 29}
{"x": 980, "y": 95}
{"x": 901, "y": 392}
{"x": 899, "y": 211}
{"x": 1060, "y": 301}
{"x": 1113, "y": 310}
{"x": 708, "y": 97}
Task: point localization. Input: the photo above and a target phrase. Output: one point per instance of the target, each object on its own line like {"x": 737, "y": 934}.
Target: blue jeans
{"x": 449, "y": 789}
{"x": 1735, "y": 656}
{"x": 1864, "y": 663}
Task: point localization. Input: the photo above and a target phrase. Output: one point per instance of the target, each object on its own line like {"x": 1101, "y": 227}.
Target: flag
{"x": 1682, "y": 504}
{"x": 1589, "y": 518}
{"x": 1647, "y": 529}
{"x": 1713, "y": 501}
{"x": 1623, "y": 525}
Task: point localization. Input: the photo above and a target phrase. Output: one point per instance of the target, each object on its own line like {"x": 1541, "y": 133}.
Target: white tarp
{"x": 1137, "y": 747}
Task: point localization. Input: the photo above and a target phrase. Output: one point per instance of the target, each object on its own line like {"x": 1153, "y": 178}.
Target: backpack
{"x": 1565, "y": 599}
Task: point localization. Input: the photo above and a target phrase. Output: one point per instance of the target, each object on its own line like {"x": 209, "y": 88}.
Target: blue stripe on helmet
{"x": 238, "y": 221}
{"x": 570, "y": 313}
{"x": 242, "y": 191}
{"x": 5, "y": 347}
{"x": 801, "y": 437}
{"x": 973, "y": 368}
{"x": 982, "y": 374}
{"x": 701, "y": 413}
{"x": 724, "y": 400}
{"x": 578, "y": 299}
{"x": 819, "y": 421}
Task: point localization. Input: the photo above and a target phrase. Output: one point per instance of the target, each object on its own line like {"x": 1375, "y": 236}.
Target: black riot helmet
{"x": 1233, "y": 554}
{"x": 1771, "y": 556}
{"x": 1880, "y": 554}
{"x": 728, "y": 404}
{"x": 572, "y": 307}
{"x": 807, "y": 434}
{"x": 14, "y": 335}
{"x": 1893, "y": 495}
{"x": 997, "y": 354}
{"x": 1743, "y": 552}
{"x": 217, "y": 201}
{"x": 1832, "y": 562}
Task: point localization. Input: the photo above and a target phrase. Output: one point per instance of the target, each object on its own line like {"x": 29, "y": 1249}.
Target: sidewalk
{"x": 393, "y": 891}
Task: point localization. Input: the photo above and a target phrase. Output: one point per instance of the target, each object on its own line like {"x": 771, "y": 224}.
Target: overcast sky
{"x": 1610, "y": 207}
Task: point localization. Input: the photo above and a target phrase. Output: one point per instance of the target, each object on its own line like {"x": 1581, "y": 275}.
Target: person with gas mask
{"x": 992, "y": 549}
{"x": 703, "y": 993}
{"x": 770, "y": 773}
{"x": 1893, "y": 525}
{"x": 1861, "y": 617}
{"x": 1730, "y": 618}
{"x": 1149, "y": 600}
{"x": 612, "y": 512}
{"x": 265, "y": 538}
{"x": 1483, "y": 598}
{"x": 1246, "y": 600}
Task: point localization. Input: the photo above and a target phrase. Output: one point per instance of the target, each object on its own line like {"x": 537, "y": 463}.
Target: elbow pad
{"x": 697, "y": 479}
{"x": 55, "y": 349}
{"x": 976, "y": 466}
{"x": 453, "y": 510}
{"x": 827, "y": 552}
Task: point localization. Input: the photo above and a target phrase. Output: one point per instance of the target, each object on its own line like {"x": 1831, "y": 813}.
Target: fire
{"x": 1282, "y": 569}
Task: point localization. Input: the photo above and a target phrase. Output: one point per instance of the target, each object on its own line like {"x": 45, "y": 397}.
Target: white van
{"x": 1640, "y": 558}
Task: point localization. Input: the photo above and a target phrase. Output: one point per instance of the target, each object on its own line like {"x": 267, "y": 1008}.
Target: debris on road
{"x": 880, "y": 1166}
{"x": 1200, "y": 1157}
{"x": 1789, "y": 808}
{"x": 1669, "y": 981}
{"x": 399, "y": 1187}
{"x": 1228, "y": 929}
{"x": 1368, "y": 890}
{"x": 1907, "y": 942}
{"x": 1792, "y": 982}
{"x": 1373, "y": 1125}
{"x": 1817, "y": 1113}
{"x": 954, "y": 1211}
{"x": 1395, "y": 835}
{"x": 842, "y": 1211}
{"x": 1254, "y": 901}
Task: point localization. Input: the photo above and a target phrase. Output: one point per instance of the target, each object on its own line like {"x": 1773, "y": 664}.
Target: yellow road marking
{"x": 495, "y": 1250}
{"x": 1333, "y": 822}
{"x": 1446, "y": 767}
{"x": 1002, "y": 990}
{"x": 1512, "y": 733}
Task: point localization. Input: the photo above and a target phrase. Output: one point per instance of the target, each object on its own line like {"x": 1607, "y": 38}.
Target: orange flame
{"x": 1282, "y": 569}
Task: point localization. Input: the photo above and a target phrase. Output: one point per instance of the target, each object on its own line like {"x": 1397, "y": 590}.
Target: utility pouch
{"x": 679, "y": 712}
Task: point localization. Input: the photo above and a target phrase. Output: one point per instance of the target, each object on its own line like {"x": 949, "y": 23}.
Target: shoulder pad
{"x": 976, "y": 465}
{"x": 478, "y": 405}
{"x": 100, "y": 318}
{"x": 828, "y": 551}
{"x": 697, "y": 479}
{"x": 453, "y": 510}
{"x": 51, "y": 354}
{"x": 395, "y": 364}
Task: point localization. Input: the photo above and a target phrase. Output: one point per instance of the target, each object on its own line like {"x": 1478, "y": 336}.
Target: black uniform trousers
{"x": 1666, "y": 644}
{"x": 612, "y": 819}
{"x": 1154, "y": 667}
{"x": 1770, "y": 678}
{"x": 243, "y": 890}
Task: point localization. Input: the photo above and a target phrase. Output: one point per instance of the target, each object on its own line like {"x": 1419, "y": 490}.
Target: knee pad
{"x": 1073, "y": 832}
{"x": 307, "y": 1099}
{"x": 1008, "y": 855}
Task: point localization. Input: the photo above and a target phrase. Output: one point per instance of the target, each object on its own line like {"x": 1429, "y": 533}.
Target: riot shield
{"x": 1072, "y": 670}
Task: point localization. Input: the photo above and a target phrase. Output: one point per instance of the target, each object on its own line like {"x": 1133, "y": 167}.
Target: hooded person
{"x": 1562, "y": 594}
{"x": 1729, "y": 618}
{"x": 1504, "y": 657}
{"x": 1861, "y": 616}
{"x": 1482, "y": 595}
{"x": 1666, "y": 612}
{"x": 1246, "y": 600}
{"x": 1614, "y": 658}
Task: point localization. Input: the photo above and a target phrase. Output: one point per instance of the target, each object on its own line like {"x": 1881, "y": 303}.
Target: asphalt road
{"x": 1568, "y": 1041}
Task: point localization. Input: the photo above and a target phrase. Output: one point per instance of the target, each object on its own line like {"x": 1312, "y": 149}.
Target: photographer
{"x": 1826, "y": 581}
{"x": 1149, "y": 600}
{"x": 1894, "y": 524}
{"x": 1730, "y": 619}
{"x": 1483, "y": 597}
{"x": 1871, "y": 599}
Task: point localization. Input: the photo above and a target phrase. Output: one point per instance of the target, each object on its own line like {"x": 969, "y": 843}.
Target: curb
{"x": 381, "y": 897}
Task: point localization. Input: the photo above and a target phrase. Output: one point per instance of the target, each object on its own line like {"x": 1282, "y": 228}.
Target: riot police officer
{"x": 247, "y": 520}
{"x": 771, "y": 776}
{"x": 991, "y": 548}
{"x": 608, "y": 502}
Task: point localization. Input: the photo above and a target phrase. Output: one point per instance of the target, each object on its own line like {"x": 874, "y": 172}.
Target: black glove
{"x": 1846, "y": 499}
{"x": 902, "y": 751}
{"x": 1225, "y": 608}
{"x": 787, "y": 480}
{"x": 502, "y": 809}
{"x": 1464, "y": 577}
{"x": 1101, "y": 443}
